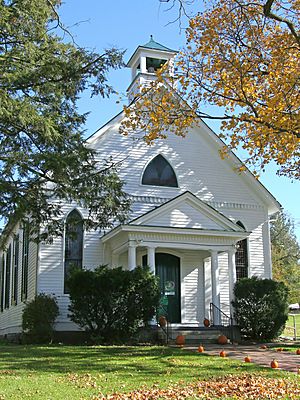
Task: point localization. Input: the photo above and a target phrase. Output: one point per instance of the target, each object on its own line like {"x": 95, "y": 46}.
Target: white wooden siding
{"x": 192, "y": 287}
{"x": 200, "y": 170}
{"x": 197, "y": 165}
{"x": 184, "y": 216}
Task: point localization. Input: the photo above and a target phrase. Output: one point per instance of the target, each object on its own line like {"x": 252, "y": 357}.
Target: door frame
{"x": 172, "y": 253}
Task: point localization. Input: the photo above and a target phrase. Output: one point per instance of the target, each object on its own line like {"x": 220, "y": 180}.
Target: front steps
{"x": 193, "y": 335}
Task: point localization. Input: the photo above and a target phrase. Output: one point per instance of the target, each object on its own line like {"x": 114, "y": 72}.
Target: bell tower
{"x": 144, "y": 62}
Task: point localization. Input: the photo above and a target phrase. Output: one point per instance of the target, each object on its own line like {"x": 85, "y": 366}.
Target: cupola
{"x": 144, "y": 62}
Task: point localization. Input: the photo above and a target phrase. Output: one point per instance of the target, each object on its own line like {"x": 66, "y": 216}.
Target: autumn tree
{"x": 242, "y": 57}
{"x": 42, "y": 152}
{"x": 286, "y": 255}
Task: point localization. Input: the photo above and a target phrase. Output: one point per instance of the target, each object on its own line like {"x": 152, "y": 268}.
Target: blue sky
{"x": 98, "y": 24}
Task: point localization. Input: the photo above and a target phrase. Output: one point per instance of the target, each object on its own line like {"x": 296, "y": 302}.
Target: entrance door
{"x": 168, "y": 270}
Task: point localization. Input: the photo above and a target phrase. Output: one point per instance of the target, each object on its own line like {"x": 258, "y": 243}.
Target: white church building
{"x": 196, "y": 220}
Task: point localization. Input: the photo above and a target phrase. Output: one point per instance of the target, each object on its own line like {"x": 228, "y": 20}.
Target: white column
{"x": 151, "y": 258}
{"x": 131, "y": 255}
{"x": 231, "y": 276}
{"x": 143, "y": 64}
{"x": 215, "y": 284}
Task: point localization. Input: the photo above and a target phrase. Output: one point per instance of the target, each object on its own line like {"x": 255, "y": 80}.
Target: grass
{"x": 79, "y": 372}
{"x": 289, "y": 332}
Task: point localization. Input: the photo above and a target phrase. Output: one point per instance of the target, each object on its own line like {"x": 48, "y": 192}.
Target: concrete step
{"x": 192, "y": 336}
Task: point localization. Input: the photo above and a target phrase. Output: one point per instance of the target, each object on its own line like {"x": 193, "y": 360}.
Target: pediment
{"x": 187, "y": 211}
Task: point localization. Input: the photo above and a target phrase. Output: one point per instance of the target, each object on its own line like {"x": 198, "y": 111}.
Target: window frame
{"x": 244, "y": 243}
{"x": 15, "y": 269}
{"x": 65, "y": 258}
{"x": 7, "y": 290}
{"x": 25, "y": 261}
{"x": 156, "y": 185}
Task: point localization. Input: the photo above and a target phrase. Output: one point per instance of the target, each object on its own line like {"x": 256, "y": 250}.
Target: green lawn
{"x": 289, "y": 325}
{"x": 79, "y": 372}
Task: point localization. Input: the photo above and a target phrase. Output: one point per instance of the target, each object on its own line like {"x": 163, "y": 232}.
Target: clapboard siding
{"x": 224, "y": 283}
{"x": 197, "y": 165}
{"x": 184, "y": 216}
{"x": 192, "y": 287}
{"x": 199, "y": 170}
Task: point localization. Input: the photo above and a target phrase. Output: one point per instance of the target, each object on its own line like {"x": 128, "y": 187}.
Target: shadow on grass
{"x": 145, "y": 361}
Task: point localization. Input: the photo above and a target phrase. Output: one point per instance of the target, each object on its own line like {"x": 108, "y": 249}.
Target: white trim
{"x": 158, "y": 186}
{"x": 183, "y": 232}
{"x": 194, "y": 202}
{"x": 64, "y": 246}
{"x": 215, "y": 142}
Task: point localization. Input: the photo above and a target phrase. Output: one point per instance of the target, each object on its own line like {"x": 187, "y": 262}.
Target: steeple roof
{"x": 152, "y": 44}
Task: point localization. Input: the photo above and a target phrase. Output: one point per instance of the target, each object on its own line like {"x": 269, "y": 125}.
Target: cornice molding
{"x": 215, "y": 204}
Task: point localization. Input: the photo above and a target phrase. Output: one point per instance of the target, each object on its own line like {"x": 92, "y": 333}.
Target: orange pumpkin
{"x": 264, "y": 347}
{"x": 223, "y": 353}
{"x": 162, "y": 321}
{"x": 279, "y": 349}
{"x": 180, "y": 340}
{"x": 222, "y": 339}
{"x": 298, "y": 352}
{"x": 200, "y": 349}
{"x": 274, "y": 364}
{"x": 248, "y": 359}
{"x": 206, "y": 322}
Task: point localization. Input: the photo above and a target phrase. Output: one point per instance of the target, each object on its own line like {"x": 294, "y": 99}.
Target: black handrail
{"x": 219, "y": 318}
{"x": 162, "y": 311}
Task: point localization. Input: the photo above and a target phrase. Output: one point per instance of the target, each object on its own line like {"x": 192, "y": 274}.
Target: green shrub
{"x": 111, "y": 304}
{"x": 38, "y": 319}
{"x": 260, "y": 307}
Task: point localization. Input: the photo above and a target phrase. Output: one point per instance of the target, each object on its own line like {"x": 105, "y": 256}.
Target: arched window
{"x": 241, "y": 257}
{"x": 159, "y": 173}
{"x": 73, "y": 243}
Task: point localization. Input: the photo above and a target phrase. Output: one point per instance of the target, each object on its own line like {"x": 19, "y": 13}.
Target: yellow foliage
{"x": 244, "y": 60}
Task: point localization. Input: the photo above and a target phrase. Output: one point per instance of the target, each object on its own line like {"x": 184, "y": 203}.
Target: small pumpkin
{"x": 279, "y": 349}
{"x": 222, "y": 339}
{"x": 162, "y": 321}
{"x": 248, "y": 359}
{"x": 200, "y": 349}
{"x": 206, "y": 322}
{"x": 180, "y": 340}
{"x": 264, "y": 347}
{"x": 223, "y": 353}
{"x": 274, "y": 364}
{"x": 298, "y": 352}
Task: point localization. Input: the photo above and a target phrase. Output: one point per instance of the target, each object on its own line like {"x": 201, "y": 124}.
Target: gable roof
{"x": 250, "y": 180}
{"x": 187, "y": 211}
{"x": 209, "y": 135}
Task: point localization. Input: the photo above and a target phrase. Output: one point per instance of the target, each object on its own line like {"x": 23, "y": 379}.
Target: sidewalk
{"x": 287, "y": 360}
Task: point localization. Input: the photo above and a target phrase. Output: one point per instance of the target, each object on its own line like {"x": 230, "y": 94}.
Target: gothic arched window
{"x": 159, "y": 173}
{"x": 73, "y": 243}
{"x": 241, "y": 257}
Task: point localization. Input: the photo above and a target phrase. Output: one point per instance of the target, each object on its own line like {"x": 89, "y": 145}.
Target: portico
{"x": 133, "y": 244}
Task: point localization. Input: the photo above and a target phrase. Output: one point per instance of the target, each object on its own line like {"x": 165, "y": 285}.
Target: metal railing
{"x": 162, "y": 311}
{"x": 219, "y": 319}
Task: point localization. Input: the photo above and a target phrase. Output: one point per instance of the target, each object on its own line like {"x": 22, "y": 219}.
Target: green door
{"x": 168, "y": 270}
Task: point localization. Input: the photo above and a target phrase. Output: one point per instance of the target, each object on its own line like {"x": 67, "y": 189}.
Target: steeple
{"x": 144, "y": 62}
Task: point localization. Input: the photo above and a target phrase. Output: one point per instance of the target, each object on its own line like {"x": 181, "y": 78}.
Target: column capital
{"x": 150, "y": 246}
{"x": 232, "y": 250}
